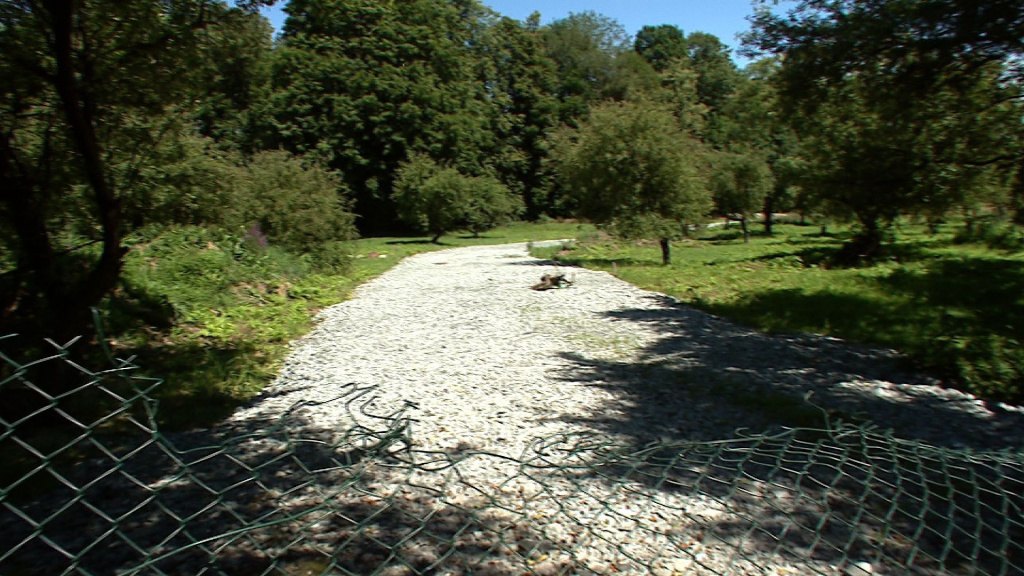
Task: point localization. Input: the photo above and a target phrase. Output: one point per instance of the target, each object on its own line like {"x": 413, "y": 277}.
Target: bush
{"x": 296, "y": 206}
{"x": 437, "y": 199}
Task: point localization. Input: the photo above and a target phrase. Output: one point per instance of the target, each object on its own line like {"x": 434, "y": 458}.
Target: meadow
{"x": 950, "y": 301}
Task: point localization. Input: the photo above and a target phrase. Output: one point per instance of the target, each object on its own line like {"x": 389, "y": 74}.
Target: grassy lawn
{"x": 213, "y": 319}
{"x": 954, "y": 308}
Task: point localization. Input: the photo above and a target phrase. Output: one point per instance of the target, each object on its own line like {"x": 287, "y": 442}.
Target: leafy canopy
{"x": 634, "y": 170}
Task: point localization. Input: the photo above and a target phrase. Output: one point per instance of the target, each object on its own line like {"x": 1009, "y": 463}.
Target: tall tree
{"x": 584, "y": 48}
{"x": 85, "y": 76}
{"x": 523, "y": 83}
{"x": 717, "y": 75}
{"x": 364, "y": 84}
{"x": 661, "y": 45}
{"x": 635, "y": 171}
{"x": 909, "y": 105}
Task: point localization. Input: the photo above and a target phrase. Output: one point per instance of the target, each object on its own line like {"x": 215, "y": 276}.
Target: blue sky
{"x": 723, "y": 18}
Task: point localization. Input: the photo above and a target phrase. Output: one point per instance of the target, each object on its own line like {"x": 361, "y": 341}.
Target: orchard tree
{"x": 634, "y": 171}
{"x": 903, "y": 105}
{"x": 739, "y": 185}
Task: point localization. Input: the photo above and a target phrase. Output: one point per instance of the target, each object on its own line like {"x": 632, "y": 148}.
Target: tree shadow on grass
{"x": 702, "y": 363}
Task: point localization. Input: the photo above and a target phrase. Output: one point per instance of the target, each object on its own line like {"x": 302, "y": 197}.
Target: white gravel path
{"x": 491, "y": 365}
{"x": 488, "y": 367}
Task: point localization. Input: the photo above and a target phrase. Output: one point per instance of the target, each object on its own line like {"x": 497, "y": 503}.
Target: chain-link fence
{"x": 111, "y": 494}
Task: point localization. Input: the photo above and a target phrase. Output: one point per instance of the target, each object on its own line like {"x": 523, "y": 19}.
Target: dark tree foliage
{"x": 363, "y": 84}
{"x": 916, "y": 44}
{"x": 523, "y": 83}
{"x": 661, "y": 45}
{"x": 80, "y": 95}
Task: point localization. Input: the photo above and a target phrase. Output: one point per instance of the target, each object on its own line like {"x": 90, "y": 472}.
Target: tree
{"x": 873, "y": 160}
{"x": 716, "y": 73}
{"x": 362, "y": 85}
{"x": 524, "y": 83}
{"x": 83, "y": 87}
{"x": 912, "y": 47}
{"x": 905, "y": 105}
{"x": 584, "y": 48}
{"x": 636, "y": 172}
{"x": 739, "y": 185}
{"x": 661, "y": 45}
{"x": 750, "y": 122}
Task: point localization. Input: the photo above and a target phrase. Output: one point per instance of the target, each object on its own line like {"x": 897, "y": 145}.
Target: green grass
{"x": 953, "y": 306}
{"x": 213, "y": 316}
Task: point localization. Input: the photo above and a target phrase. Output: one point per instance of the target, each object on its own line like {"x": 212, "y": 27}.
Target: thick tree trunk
{"x": 865, "y": 245}
{"x": 666, "y": 251}
{"x": 79, "y": 110}
{"x": 746, "y": 230}
{"x": 769, "y": 214}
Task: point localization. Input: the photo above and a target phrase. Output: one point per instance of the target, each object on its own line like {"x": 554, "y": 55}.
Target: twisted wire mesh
{"x": 92, "y": 486}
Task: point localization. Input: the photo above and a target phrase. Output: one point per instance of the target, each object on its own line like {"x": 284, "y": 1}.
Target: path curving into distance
{"x": 491, "y": 365}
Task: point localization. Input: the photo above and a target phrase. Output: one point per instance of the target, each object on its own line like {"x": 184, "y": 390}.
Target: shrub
{"x": 436, "y": 199}
{"x": 297, "y": 206}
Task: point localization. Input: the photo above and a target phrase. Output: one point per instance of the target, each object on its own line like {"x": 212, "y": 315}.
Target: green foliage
{"x": 739, "y": 184}
{"x": 907, "y": 45}
{"x": 363, "y": 85}
{"x": 661, "y": 45}
{"x": 586, "y": 48}
{"x": 301, "y": 207}
{"x": 97, "y": 139}
{"x": 953, "y": 309}
{"x": 491, "y": 204}
{"x": 437, "y": 199}
{"x": 897, "y": 115}
{"x": 633, "y": 169}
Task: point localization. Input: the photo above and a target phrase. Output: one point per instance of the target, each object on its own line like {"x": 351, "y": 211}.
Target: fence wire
{"x": 90, "y": 485}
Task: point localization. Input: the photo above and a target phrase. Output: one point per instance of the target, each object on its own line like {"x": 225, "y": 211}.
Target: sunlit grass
{"x": 953, "y": 308}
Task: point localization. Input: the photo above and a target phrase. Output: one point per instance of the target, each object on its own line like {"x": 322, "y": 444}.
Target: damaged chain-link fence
{"x": 90, "y": 485}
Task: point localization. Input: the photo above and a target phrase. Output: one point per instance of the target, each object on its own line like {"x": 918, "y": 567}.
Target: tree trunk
{"x": 746, "y": 229}
{"x": 769, "y": 214}
{"x": 437, "y": 237}
{"x": 666, "y": 251}
{"x": 865, "y": 245}
{"x": 79, "y": 110}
